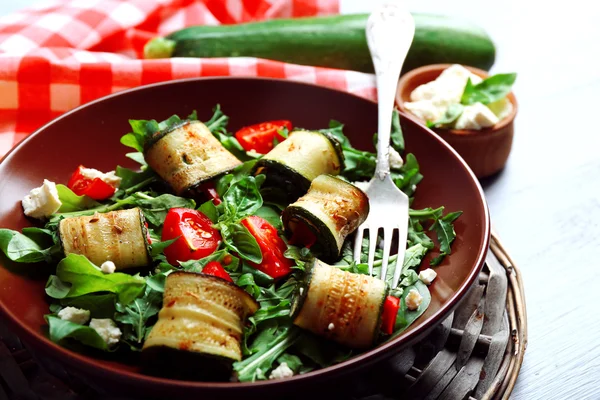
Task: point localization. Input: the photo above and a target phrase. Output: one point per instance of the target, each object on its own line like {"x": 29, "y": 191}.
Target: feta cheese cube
{"x": 107, "y": 329}
{"x": 108, "y": 267}
{"x": 413, "y": 299}
{"x": 425, "y": 110}
{"x": 43, "y": 201}
{"x": 331, "y": 326}
{"x": 396, "y": 161}
{"x": 110, "y": 177}
{"x": 282, "y": 371}
{"x": 476, "y": 116}
{"x": 427, "y": 276}
{"x": 73, "y": 314}
{"x": 501, "y": 108}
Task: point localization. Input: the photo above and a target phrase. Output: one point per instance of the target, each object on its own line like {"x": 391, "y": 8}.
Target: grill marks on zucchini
{"x": 332, "y": 209}
{"x": 340, "y": 305}
{"x": 201, "y": 321}
{"x": 187, "y": 155}
{"x": 293, "y": 164}
{"x": 117, "y": 236}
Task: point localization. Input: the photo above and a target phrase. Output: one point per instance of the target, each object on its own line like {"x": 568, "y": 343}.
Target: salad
{"x": 226, "y": 256}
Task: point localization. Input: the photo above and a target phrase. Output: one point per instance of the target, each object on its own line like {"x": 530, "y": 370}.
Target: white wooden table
{"x": 546, "y": 203}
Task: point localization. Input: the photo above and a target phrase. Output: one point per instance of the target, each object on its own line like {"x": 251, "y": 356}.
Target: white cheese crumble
{"x": 73, "y": 314}
{"x": 301, "y": 290}
{"x": 108, "y": 267}
{"x": 110, "y": 177}
{"x": 427, "y": 276}
{"x": 282, "y": 371}
{"x": 431, "y": 100}
{"x": 43, "y": 201}
{"x": 396, "y": 161}
{"x": 331, "y": 326}
{"x": 107, "y": 329}
{"x": 413, "y": 299}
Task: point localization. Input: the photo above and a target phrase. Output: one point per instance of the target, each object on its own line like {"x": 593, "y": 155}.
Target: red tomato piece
{"x": 209, "y": 190}
{"x": 216, "y": 269}
{"x": 390, "y": 312}
{"x": 271, "y": 245}
{"x": 303, "y": 236}
{"x": 260, "y": 137}
{"x": 197, "y": 237}
{"x": 95, "y": 188}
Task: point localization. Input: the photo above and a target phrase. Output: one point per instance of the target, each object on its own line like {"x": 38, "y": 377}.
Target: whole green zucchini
{"x": 332, "y": 41}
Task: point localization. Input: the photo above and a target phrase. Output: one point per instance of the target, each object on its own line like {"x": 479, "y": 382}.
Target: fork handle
{"x": 390, "y": 31}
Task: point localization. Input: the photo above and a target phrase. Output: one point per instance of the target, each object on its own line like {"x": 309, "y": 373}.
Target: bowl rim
{"x": 91, "y": 366}
{"x": 409, "y": 76}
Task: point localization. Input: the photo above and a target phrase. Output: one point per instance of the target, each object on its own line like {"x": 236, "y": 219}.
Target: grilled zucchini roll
{"x": 117, "y": 236}
{"x": 340, "y": 305}
{"x": 187, "y": 155}
{"x": 199, "y": 329}
{"x": 331, "y": 210}
{"x": 292, "y": 165}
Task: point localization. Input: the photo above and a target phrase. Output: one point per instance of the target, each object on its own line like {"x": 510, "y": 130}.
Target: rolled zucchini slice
{"x": 340, "y": 305}
{"x": 293, "y": 164}
{"x": 187, "y": 155}
{"x": 117, "y": 236}
{"x": 331, "y": 209}
{"x": 199, "y": 328}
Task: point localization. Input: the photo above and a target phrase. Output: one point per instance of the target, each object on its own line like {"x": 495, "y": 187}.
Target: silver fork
{"x": 390, "y": 30}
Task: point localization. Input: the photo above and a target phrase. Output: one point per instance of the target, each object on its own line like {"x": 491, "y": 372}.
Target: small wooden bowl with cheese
{"x": 485, "y": 138}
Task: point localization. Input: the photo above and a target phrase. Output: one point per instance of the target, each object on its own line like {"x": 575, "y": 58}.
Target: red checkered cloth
{"x": 61, "y": 54}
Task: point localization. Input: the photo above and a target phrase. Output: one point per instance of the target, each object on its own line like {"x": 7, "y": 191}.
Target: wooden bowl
{"x": 90, "y": 135}
{"x": 485, "y": 151}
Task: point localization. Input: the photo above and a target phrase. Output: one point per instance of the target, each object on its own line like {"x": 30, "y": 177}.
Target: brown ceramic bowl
{"x": 485, "y": 151}
{"x": 90, "y": 135}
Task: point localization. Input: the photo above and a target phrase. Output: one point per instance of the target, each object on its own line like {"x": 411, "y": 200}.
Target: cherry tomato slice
{"x": 260, "y": 137}
{"x": 271, "y": 245}
{"x": 216, "y": 269}
{"x": 95, "y": 188}
{"x": 390, "y": 312}
{"x": 197, "y": 237}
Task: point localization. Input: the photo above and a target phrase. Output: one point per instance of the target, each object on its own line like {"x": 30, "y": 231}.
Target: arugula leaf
{"x": 452, "y": 113}
{"x": 56, "y": 288}
{"x": 135, "y": 317}
{"x": 71, "y": 202}
{"x": 292, "y": 361}
{"x": 322, "y": 353}
{"x": 219, "y": 121}
{"x": 409, "y": 278}
{"x": 396, "y": 133}
{"x": 219, "y": 256}
{"x": 60, "y": 330}
{"x": 155, "y": 208}
{"x": 133, "y": 181}
{"x": 426, "y": 213}
{"x": 413, "y": 256}
{"x": 489, "y": 90}
{"x": 406, "y": 317}
{"x": 142, "y": 130}
{"x": 86, "y": 278}
{"x": 159, "y": 247}
{"x": 445, "y": 234}
{"x": 138, "y": 157}
{"x": 246, "y": 282}
{"x": 416, "y": 234}
{"x": 22, "y": 249}
{"x": 99, "y": 305}
{"x": 239, "y": 240}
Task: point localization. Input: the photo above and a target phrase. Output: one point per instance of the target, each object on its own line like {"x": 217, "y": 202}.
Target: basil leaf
{"x": 86, "y": 278}
{"x": 60, "y": 330}
{"x": 452, "y": 113}
{"x": 210, "y": 210}
{"x": 239, "y": 240}
{"x": 406, "y": 317}
{"x": 489, "y": 90}
{"x": 71, "y": 202}
{"x": 242, "y": 199}
{"x": 159, "y": 247}
{"x": 22, "y": 249}
{"x": 155, "y": 208}
{"x": 99, "y": 305}
{"x": 246, "y": 282}
{"x": 271, "y": 215}
{"x": 259, "y": 277}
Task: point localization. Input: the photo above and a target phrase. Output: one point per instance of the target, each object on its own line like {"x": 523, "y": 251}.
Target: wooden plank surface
{"x": 546, "y": 204}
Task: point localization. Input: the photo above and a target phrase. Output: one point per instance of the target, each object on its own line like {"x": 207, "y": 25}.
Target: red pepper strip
{"x": 390, "y": 312}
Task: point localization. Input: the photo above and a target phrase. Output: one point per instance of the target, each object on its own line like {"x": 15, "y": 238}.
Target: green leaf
{"x": 292, "y": 361}
{"x": 406, "y": 317}
{"x": 210, "y": 210}
{"x": 396, "y": 135}
{"x": 99, "y": 305}
{"x": 219, "y": 256}
{"x": 242, "y": 199}
{"x": 239, "y": 240}
{"x": 60, "y": 330}
{"x": 417, "y": 235}
{"x": 138, "y": 157}
{"x": 159, "y": 247}
{"x": 409, "y": 278}
{"x": 452, "y": 113}
{"x": 71, "y": 202}
{"x": 426, "y": 213}
{"x": 132, "y": 181}
{"x": 444, "y": 229}
{"x": 218, "y": 122}
{"x": 246, "y": 282}
{"x": 22, "y": 249}
{"x": 136, "y": 315}
{"x": 260, "y": 277}
{"x": 271, "y": 215}
{"x": 86, "y": 278}
{"x": 56, "y": 288}
{"x": 489, "y": 90}
{"x": 155, "y": 208}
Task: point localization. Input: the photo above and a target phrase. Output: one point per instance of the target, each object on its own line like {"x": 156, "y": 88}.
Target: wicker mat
{"x": 476, "y": 353}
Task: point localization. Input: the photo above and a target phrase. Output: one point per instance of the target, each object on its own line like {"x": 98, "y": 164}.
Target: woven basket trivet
{"x": 476, "y": 353}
